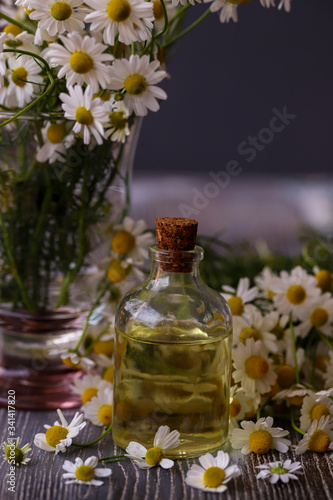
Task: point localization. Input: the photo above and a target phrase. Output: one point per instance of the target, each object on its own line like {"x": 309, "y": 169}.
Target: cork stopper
{"x": 177, "y": 235}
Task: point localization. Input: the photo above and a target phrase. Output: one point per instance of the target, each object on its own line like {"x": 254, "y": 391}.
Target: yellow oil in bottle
{"x": 177, "y": 378}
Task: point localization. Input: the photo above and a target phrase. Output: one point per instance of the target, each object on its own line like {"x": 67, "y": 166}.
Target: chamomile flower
{"x": 240, "y": 406}
{"x": 228, "y": 10}
{"x": 159, "y": 14}
{"x": 280, "y": 329}
{"x": 267, "y": 3}
{"x": 257, "y": 327}
{"x": 85, "y": 472}
{"x": 279, "y": 471}
{"x": 324, "y": 279}
{"x": 24, "y": 78}
{"x": 313, "y": 410}
{"x": 319, "y": 437}
{"x": 82, "y": 60}
{"x": 88, "y": 113}
{"x": 131, "y": 19}
{"x": 294, "y": 292}
{"x": 99, "y": 409}
{"x": 319, "y": 314}
{"x": 286, "y": 4}
{"x": 14, "y": 454}
{"x": 56, "y": 142}
{"x": 260, "y": 437}
{"x": 56, "y": 17}
{"x": 18, "y": 39}
{"x": 59, "y": 436}
{"x": 213, "y": 474}
{"x": 253, "y": 368}
{"x": 238, "y": 299}
{"x": 163, "y": 440}
{"x": 137, "y": 77}
{"x": 294, "y": 394}
{"x": 117, "y": 127}
{"x": 74, "y": 360}
{"x": 88, "y": 386}
{"x": 264, "y": 282}
{"x": 130, "y": 239}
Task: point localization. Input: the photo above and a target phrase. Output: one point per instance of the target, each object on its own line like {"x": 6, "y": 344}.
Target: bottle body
{"x": 173, "y": 362}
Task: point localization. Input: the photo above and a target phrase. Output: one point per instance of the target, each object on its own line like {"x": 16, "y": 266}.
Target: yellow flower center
{"x": 135, "y": 84}
{"x": 213, "y": 477}
{"x": 296, "y": 400}
{"x": 12, "y": 29}
{"x": 319, "y": 317}
{"x": 105, "y": 414}
{"x": 286, "y": 376}
{"x": 279, "y": 470}
{"x": 157, "y": 10}
{"x": 256, "y": 367}
{"x": 61, "y": 11}
{"x": 234, "y": 408}
{"x": 19, "y": 76}
{"x": 81, "y": 62}
{"x": 321, "y": 363}
{"x": 118, "y": 119}
{"x": 55, "y": 434}
{"x": 324, "y": 278}
{"x": 154, "y": 456}
{"x": 85, "y": 473}
{"x": 104, "y": 347}
{"x": 88, "y": 395}
{"x": 68, "y": 362}
{"x": 270, "y": 294}
{"x": 116, "y": 272}
{"x": 123, "y": 242}
{"x": 105, "y": 95}
{"x": 29, "y": 11}
{"x": 319, "y": 411}
{"x": 249, "y": 333}
{"x": 119, "y": 10}
{"x": 278, "y": 331}
{"x": 84, "y": 116}
{"x": 296, "y": 294}
{"x": 108, "y": 375}
{"x": 56, "y": 132}
{"x": 236, "y": 305}
{"x": 260, "y": 441}
{"x": 19, "y": 455}
{"x": 319, "y": 441}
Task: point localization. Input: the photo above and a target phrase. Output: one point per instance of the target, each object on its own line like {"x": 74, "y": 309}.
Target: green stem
{"x": 99, "y": 336}
{"x": 17, "y": 23}
{"x": 292, "y": 331}
{"x": 108, "y": 429}
{"x": 293, "y": 423}
{"x": 325, "y": 339}
{"x": 111, "y": 458}
{"x": 258, "y": 412}
{"x": 187, "y": 30}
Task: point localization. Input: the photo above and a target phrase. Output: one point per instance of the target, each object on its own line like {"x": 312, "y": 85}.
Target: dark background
{"x": 225, "y": 81}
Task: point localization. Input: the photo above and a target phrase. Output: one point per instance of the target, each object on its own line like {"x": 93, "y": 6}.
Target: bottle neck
{"x": 173, "y": 263}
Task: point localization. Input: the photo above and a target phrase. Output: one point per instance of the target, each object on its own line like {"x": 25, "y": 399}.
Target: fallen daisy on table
{"x": 163, "y": 440}
{"x": 279, "y": 471}
{"x": 59, "y": 436}
{"x": 260, "y": 437}
{"x": 85, "y": 472}
{"x": 319, "y": 437}
{"x": 213, "y": 474}
{"x": 15, "y": 455}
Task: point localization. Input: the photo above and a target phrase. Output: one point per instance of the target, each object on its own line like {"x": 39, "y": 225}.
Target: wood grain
{"x": 42, "y": 478}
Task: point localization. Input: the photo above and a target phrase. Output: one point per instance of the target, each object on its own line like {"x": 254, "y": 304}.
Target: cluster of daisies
{"x": 282, "y": 359}
{"x": 96, "y": 63}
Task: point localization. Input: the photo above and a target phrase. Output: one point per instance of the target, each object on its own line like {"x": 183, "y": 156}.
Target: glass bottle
{"x": 173, "y": 350}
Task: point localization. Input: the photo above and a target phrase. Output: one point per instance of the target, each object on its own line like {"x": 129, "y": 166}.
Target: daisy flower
{"x": 228, "y": 10}
{"x": 85, "y": 472}
{"x": 99, "y": 409}
{"x": 88, "y": 113}
{"x": 280, "y": 329}
{"x": 163, "y": 440}
{"x": 319, "y": 437}
{"x": 260, "y": 437}
{"x": 24, "y": 73}
{"x": 324, "y": 394}
{"x": 252, "y": 368}
{"x": 238, "y": 299}
{"x": 117, "y": 127}
{"x": 15, "y": 455}
{"x": 279, "y": 471}
{"x": 295, "y": 394}
{"x": 131, "y": 19}
{"x": 258, "y": 328}
{"x": 159, "y": 14}
{"x": 59, "y": 436}
{"x": 313, "y": 410}
{"x": 267, "y": 3}
{"x": 286, "y": 4}
{"x": 264, "y": 282}
{"x": 319, "y": 315}
{"x": 137, "y": 76}
{"x": 74, "y": 360}
{"x": 294, "y": 292}
{"x": 88, "y": 386}
{"x": 131, "y": 240}
{"x": 324, "y": 279}
{"x": 213, "y": 474}
{"x": 18, "y": 39}
{"x": 56, "y": 17}
{"x": 56, "y": 143}
{"x": 82, "y": 61}
{"x": 240, "y": 406}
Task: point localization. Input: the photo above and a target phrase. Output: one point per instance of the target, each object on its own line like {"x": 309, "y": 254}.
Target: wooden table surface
{"x": 42, "y": 478}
